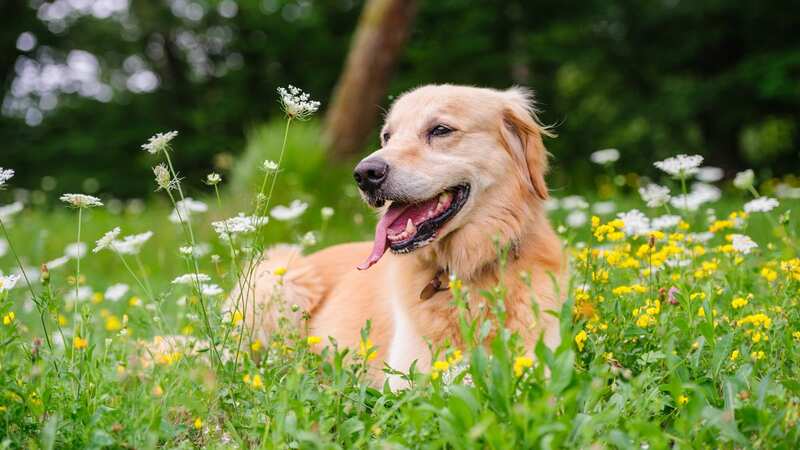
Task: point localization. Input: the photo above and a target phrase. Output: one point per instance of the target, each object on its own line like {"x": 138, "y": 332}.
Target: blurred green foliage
{"x": 650, "y": 78}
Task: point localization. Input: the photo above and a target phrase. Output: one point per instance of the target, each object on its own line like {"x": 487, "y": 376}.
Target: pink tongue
{"x": 379, "y": 247}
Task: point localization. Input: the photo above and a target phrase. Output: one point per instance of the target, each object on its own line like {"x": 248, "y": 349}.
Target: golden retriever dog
{"x": 460, "y": 169}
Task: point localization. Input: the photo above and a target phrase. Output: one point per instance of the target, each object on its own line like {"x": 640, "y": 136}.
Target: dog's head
{"x": 453, "y": 160}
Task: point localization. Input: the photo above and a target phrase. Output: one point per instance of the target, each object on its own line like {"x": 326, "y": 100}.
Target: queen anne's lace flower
{"x": 210, "y": 290}
{"x": 606, "y": 156}
{"x": 296, "y": 103}
{"x": 665, "y": 221}
{"x": 744, "y": 180}
{"x": 5, "y": 175}
{"x": 116, "y": 291}
{"x": 240, "y": 224}
{"x": 159, "y": 142}
{"x": 186, "y": 207}
{"x": 132, "y": 245}
{"x": 9, "y": 210}
{"x": 192, "y": 278}
{"x": 636, "y": 223}
{"x": 80, "y": 200}
{"x": 654, "y": 195}
{"x": 75, "y": 250}
{"x": 107, "y": 240}
{"x": 710, "y": 174}
{"x": 680, "y": 166}
{"x": 761, "y": 204}
{"x": 700, "y": 194}
{"x": 8, "y": 282}
{"x": 742, "y": 243}
{"x": 291, "y": 212}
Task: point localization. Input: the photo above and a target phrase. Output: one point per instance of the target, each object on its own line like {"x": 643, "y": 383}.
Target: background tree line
{"x": 714, "y": 77}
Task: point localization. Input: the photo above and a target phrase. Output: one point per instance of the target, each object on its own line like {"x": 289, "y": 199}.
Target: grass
{"x": 697, "y": 355}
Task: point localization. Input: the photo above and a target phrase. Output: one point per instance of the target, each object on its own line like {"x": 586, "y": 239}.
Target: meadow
{"x": 680, "y": 327}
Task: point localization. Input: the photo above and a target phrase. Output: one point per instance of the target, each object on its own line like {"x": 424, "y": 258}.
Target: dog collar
{"x": 434, "y": 286}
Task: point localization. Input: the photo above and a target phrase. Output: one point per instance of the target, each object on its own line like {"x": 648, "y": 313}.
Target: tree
{"x": 381, "y": 34}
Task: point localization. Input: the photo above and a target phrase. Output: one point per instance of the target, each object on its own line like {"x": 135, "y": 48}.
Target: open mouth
{"x": 408, "y": 226}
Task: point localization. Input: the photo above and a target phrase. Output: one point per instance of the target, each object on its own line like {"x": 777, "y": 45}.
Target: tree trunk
{"x": 382, "y": 30}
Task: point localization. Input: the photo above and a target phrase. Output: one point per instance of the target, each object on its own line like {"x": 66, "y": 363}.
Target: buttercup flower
{"x": 296, "y": 103}
{"x": 744, "y": 180}
{"x": 606, "y": 156}
{"x": 80, "y": 200}
{"x": 680, "y": 166}
{"x": 521, "y": 363}
{"x": 654, "y": 195}
{"x": 159, "y": 142}
{"x": 761, "y": 204}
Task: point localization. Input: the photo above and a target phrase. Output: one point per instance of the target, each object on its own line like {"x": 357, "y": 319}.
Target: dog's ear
{"x": 522, "y": 134}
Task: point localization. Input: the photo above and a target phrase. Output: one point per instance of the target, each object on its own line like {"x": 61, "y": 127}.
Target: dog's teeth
{"x": 411, "y": 229}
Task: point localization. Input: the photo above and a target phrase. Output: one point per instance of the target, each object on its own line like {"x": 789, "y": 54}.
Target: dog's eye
{"x": 385, "y": 137}
{"x": 440, "y": 130}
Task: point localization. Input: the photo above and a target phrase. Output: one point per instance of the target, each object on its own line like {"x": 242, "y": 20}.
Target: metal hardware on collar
{"x": 434, "y": 286}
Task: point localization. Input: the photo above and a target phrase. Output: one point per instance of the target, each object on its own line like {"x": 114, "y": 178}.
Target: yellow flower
{"x": 280, "y": 271}
{"x": 157, "y": 391}
{"x": 198, "y": 423}
{"x": 580, "y": 340}
{"x": 237, "y": 317}
{"x": 168, "y": 359}
{"x": 366, "y": 350}
{"x": 257, "y": 382}
{"x": 769, "y": 274}
{"x": 79, "y": 343}
{"x": 97, "y": 297}
{"x": 521, "y": 363}
{"x": 739, "y": 302}
{"x": 134, "y": 301}
{"x": 256, "y": 345}
{"x": 9, "y": 318}
{"x": 313, "y": 340}
{"x": 759, "y": 355}
{"x": 796, "y": 335}
{"x": 734, "y": 355}
{"x": 701, "y": 312}
{"x": 62, "y": 320}
{"x": 441, "y": 365}
{"x": 455, "y": 357}
{"x": 113, "y": 323}
{"x": 682, "y": 399}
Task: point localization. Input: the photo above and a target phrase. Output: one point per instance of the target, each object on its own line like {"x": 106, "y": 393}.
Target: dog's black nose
{"x": 371, "y": 173}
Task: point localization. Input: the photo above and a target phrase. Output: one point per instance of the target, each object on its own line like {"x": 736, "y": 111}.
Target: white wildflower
{"x": 83, "y": 293}
{"x": 744, "y": 180}
{"x": 5, "y": 175}
{"x": 132, "y": 245}
{"x": 191, "y": 278}
{"x": 576, "y": 219}
{"x": 163, "y": 178}
{"x": 309, "y": 239}
{"x": 80, "y": 200}
{"x": 665, "y": 221}
{"x": 700, "y": 194}
{"x": 709, "y": 174}
{"x": 296, "y": 103}
{"x": 210, "y": 290}
{"x": 326, "y": 212}
{"x": 702, "y": 238}
{"x": 606, "y": 156}
{"x": 761, "y": 204}
{"x": 269, "y": 166}
{"x": 654, "y": 195}
{"x": 291, "y": 212}
{"x": 604, "y": 208}
{"x": 742, "y": 244}
{"x": 8, "y": 282}
{"x": 116, "y": 291}
{"x": 636, "y": 223}
{"x": 107, "y": 240}
{"x": 784, "y": 190}
{"x": 186, "y": 250}
{"x": 680, "y": 166}
{"x": 240, "y": 224}
{"x": 552, "y": 204}
{"x": 213, "y": 179}
{"x": 7, "y": 211}
{"x": 159, "y": 142}
{"x": 574, "y": 202}
{"x": 75, "y": 250}
{"x": 185, "y": 208}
